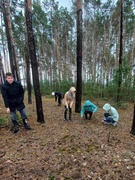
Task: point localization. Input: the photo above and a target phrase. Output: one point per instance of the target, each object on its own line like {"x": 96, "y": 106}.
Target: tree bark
{"x": 2, "y": 76}
{"x": 79, "y": 57}
{"x": 32, "y": 53}
{"x": 120, "y": 53}
{"x": 27, "y": 61}
{"x": 133, "y": 124}
{"x": 10, "y": 39}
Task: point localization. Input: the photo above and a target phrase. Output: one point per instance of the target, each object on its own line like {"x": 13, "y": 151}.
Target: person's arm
{"x": 71, "y": 103}
{"x": 95, "y": 108}
{"x": 115, "y": 114}
{"x": 5, "y": 96}
{"x": 21, "y": 92}
{"x": 82, "y": 111}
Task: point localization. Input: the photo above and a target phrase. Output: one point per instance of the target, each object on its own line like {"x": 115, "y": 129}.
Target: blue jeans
{"x": 22, "y": 113}
{"x": 108, "y": 119}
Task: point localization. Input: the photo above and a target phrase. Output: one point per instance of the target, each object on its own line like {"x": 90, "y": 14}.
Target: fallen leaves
{"x": 59, "y": 150}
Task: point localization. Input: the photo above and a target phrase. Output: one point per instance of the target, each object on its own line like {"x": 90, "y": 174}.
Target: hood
{"x": 107, "y": 107}
{"x": 72, "y": 89}
{"x": 87, "y": 103}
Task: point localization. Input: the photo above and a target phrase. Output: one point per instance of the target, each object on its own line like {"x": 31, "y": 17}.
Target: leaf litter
{"x": 59, "y": 150}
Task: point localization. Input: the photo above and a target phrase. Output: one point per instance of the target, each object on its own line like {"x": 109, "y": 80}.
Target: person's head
{"x": 9, "y": 77}
{"x": 87, "y": 103}
{"x": 107, "y": 106}
{"x": 73, "y": 90}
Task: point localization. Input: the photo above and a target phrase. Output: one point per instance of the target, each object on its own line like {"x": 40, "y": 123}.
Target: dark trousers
{"x": 55, "y": 97}
{"x": 59, "y": 100}
{"x": 107, "y": 118}
{"x": 70, "y": 114}
{"x": 88, "y": 113}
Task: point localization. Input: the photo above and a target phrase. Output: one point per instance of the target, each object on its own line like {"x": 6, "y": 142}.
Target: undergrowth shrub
{"x": 3, "y": 121}
{"x": 91, "y": 91}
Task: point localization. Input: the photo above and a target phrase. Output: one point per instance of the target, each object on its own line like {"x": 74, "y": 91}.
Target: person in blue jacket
{"x": 111, "y": 116}
{"x": 88, "y": 109}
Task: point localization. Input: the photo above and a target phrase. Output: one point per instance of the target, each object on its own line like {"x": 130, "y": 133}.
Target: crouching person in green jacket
{"x": 111, "y": 115}
{"x": 88, "y": 109}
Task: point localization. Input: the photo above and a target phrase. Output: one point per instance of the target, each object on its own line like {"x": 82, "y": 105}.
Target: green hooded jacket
{"x": 112, "y": 111}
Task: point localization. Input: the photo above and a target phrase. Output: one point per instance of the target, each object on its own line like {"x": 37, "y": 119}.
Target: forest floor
{"x": 59, "y": 150}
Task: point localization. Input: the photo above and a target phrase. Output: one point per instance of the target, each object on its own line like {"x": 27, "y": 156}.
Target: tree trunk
{"x": 2, "y": 76}
{"x": 28, "y": 80}
{"x": 32, "y": 53}
{"x": 133, "y": 124}
{"x": 10, "y": 39}
{"x": 27, "y": 61}
{"x": 79, "y": 57}
{"x": 120, "y": 53}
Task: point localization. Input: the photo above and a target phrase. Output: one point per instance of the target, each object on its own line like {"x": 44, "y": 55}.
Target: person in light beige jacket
{"x": 68, "y": 102}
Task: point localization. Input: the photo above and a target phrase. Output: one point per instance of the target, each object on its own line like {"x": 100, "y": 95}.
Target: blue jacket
{"x": 88, "y": 106}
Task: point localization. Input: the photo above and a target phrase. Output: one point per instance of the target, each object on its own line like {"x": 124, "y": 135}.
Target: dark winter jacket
{"x": 13, "y": 95}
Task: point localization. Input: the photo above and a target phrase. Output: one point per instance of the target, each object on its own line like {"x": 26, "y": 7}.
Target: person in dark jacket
{"x": 58, "y": 96}
{"x": 13, "y": 95}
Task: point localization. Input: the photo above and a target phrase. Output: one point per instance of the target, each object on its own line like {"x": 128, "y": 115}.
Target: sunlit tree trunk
{"x": 32, "y": 53}
{"x": 79, "y": 57}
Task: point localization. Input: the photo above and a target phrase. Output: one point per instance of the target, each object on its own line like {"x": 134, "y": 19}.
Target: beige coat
{"x": 69, "y": 97}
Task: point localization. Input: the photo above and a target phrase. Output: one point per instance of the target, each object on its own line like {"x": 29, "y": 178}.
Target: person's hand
{"x": 66, "y": 108}
{"x": 8, "y": 110}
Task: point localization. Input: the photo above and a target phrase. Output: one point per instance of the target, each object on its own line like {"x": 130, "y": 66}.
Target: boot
{"x": 70, "y": 114}
{"x": 65, "y": 114}
{"x": 16, "y": 127}
{"x": 26, "y": 124}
